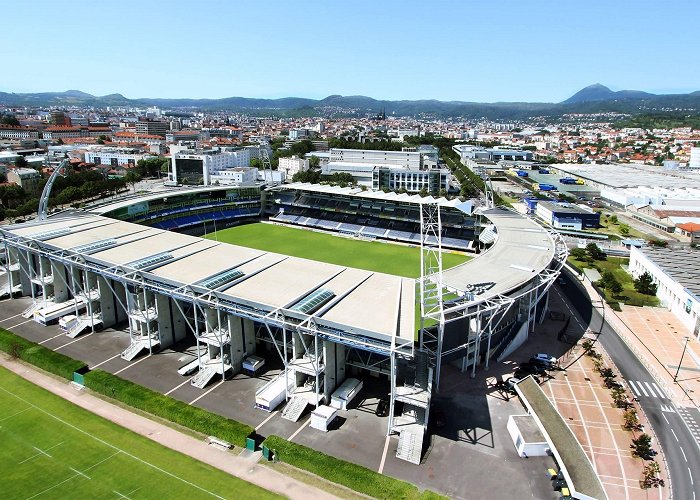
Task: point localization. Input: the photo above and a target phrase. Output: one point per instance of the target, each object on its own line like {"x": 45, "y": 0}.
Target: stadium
{"x": 317, "y": 327}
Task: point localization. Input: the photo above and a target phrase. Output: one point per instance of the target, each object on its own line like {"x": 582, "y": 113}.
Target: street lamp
{"x": 685, "y": 346}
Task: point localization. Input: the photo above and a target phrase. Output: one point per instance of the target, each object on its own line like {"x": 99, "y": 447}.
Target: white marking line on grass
{"x": 14, "y": 414}
{"x": 51, "y": 338}
{"x": 308, "y": 421}
{"x": 73, "y": 342}
{"x": 19, "y": 324}
{"x": 266, "y": 420}
{"x": 131, "y": 364}
{"x": 105, "y": 361}
{"x": 201, "y": 396}
{"x": 121, "y": 495}
{"x": 78, "y": 472}
{"x": 176, "y": 387}
{"x": 119, "y": 450}
{"x": 42, "y": 451}
{"x": 386, "y": 448}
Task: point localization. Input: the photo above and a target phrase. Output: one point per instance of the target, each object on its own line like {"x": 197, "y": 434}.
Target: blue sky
{"x": 487, "y": 51}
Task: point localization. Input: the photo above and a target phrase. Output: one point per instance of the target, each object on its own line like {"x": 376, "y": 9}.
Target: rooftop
{"x": 681, "y": 265}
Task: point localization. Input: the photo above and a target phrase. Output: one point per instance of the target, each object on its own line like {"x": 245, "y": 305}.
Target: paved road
{"x": 680, "y": 445}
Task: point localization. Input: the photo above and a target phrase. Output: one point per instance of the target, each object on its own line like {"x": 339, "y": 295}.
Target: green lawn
{"x": 370, "y": 255}
{"x": 54, "y": 449}
{"x": 629, "y": 295}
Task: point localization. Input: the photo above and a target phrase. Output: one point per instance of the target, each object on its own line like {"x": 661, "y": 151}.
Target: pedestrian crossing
{"x": 692, "y": 421}
{"x": 646, "y": 389}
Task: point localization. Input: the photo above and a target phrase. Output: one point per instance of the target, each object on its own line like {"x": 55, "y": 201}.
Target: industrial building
{"x": 117, "y": 264}
{"x": 567, "y": 215}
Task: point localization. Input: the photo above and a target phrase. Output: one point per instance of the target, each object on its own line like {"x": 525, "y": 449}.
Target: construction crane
{"x": 44, "y": 201}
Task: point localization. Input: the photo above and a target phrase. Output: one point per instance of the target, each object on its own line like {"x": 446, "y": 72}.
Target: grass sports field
{"x": 370, "y": 255}
{"x": 53, "y": 449}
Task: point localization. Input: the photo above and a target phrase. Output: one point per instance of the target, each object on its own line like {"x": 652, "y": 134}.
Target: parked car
{"x": 532, "y": 368}
{"x": 547, "y": 358}
{"x": 540, "y": 362}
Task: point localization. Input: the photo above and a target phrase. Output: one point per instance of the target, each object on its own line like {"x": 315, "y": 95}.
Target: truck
{"x": 544, "y": 187}
{"x": 522, "y": 173}
{"x": 567, "y": 180}
{"x": 543, "y": 171}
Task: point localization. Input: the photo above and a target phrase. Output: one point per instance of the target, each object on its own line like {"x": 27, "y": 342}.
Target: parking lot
{"x": 464, "y": 458}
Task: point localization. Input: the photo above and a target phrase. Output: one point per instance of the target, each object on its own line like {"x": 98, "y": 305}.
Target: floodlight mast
{"x": 267, "y": 165}
{"x": 44, "y": 201}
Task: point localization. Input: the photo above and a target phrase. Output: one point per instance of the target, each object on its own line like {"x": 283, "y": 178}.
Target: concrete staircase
{"x": 294, "y": 408}
{"x": 204, "y": 375}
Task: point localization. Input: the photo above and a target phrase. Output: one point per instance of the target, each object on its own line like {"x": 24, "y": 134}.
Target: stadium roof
{"x": 522, "y": 250}
{"x": 369, "y": 304}
{"x": 465, "y": 206}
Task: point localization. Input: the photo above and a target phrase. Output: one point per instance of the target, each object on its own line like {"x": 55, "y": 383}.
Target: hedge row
{"x": 176, "y": 411}
{"x": 355, "y": 477}
{"x": 39, "y": 356}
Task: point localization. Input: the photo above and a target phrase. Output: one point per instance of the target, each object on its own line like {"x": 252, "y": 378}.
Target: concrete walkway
{"x": 242, "y": 468}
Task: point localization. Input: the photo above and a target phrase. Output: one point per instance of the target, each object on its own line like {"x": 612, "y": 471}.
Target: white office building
{"x": 694, "y": 158}
{"x": 676, "y": 276}
{"x": 408, "y": 159}
{"x": 101, "y": 155}
{"x": 237, "y": 176}
{"x": 292, "y": 165}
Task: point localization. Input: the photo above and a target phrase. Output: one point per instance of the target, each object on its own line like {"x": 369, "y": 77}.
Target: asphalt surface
{"x": 675, "y": 431}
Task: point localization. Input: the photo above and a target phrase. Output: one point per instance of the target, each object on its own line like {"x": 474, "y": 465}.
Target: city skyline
{"x": 539, "y": 52}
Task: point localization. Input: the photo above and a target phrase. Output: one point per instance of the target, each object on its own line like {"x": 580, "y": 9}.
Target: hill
{"x": 595, "y": 98}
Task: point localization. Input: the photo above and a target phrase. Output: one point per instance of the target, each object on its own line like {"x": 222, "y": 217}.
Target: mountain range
{"x": 595, "y": 98}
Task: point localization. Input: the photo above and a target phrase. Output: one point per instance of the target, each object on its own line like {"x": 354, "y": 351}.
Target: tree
{"x": 595, "y": 252}
{"x": 650, "y": 476}
{"x": 641, "y": 447}
{"x": 314, "y": 162}
{"x": 612, "y": 219}
{"x": 615, "y": 287}
{"x": 631, "y": 420}
{"x": 9, "y": 120}
{"x": 624, "y": 229}
{"x": 645, "y": 284}
{"x": 131, "y": 178}
{"x": 423, "y": 192}
{"x": 256, "y": 163}
{"x": 21, "y": 162}
{"x": 579, "y": 254}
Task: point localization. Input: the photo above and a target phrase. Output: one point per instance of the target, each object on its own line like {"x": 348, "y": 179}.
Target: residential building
{"x": 18, "y": 132}
{"x": 27, "y": 178}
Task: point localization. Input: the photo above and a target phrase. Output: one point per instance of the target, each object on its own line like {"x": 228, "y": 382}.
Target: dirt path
{"x": 242, "y": 468}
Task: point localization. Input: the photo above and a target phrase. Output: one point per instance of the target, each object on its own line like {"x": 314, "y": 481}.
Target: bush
{"x": 353, "y": 476}
{"x": 39, "y": 356}
{"x": 650, "y": 476}
{"x": 157, "y": 404}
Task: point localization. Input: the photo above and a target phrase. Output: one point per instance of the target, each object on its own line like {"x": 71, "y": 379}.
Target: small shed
{"x": 527, "y": 437}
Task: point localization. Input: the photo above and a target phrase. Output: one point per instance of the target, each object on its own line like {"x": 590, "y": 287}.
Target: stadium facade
{"x": 139, "y": 262}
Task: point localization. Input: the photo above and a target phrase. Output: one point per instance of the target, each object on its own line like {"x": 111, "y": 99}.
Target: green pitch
{"x": 370, "y": 255}
{"x": 53, "y": 449}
